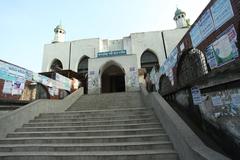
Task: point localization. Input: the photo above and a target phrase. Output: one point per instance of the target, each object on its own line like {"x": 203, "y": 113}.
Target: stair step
{"x": 86, "y": 123}
{"x": 120, "y": 114}
{"x": 86, "y": 133}
{"x": 93, "y": 118}
{"x": 124, "y": 146}
{"x": 108, "y": 126}
{"x": 86, "y": 117}
{"x": 94, "y": 155}
{"x": 84, "y": 112}
{"x": 87, "y": 128}
{"x": 88, "y": 139}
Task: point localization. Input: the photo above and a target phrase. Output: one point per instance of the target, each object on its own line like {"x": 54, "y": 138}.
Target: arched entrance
{"x": 56, "y": 65}
{"x": 83, "y": 72}
{"x": 148, "y": 60}
{"x": 112, "y": 79}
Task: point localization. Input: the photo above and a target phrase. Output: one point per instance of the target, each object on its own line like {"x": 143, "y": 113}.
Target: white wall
{"x": 147, "y": 40}
{"x": 136, "y": 43}
{"x": 126, "y": 62}
{"x": 127, "y": 44}
{"x": 79, "y": 48}
{"x": 172, "y": 37}
{"x": 53, "y": 51}
{"x": 114, "y": 45}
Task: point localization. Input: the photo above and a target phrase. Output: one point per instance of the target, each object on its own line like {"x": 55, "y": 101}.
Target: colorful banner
{"x": 221, "y": 12}
{"x": 11, "y": 72}
{"x": 66, "y": 81}
{"x": 7, "y": 88}
{"x": 223, "y": 50}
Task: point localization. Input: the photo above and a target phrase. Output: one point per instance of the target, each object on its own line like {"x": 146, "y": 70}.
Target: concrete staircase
{"x": 96, "y": 127}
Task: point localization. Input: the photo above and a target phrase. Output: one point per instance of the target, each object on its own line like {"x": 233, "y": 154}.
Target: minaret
{"x": 59, "y": 34}
{"x": 180, "y": 18}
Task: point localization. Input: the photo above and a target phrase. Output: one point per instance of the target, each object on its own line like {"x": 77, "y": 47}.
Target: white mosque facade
{"x": 112, "y": 65}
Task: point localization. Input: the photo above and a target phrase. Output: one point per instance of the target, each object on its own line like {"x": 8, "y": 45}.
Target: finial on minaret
{"x": 59, "y": 33}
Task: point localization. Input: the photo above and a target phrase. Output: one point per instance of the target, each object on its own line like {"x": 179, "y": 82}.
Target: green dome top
{"x": 179, "y": 12}
{"x": 59, "y": 27}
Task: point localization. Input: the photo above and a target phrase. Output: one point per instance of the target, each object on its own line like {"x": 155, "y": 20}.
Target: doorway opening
{"x": 113, "y": 79}
{"x": 83, "y": 72}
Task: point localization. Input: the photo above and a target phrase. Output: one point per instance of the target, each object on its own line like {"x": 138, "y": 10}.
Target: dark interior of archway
{"x": 148, "y": 60}
{"x": 56, "y": 65}
{"x": 113, "y": 80}
{"x": 82, "y": 71}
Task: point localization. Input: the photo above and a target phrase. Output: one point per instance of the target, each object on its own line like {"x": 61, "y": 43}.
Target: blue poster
{"x": 211, "y": 59}
{"x": 196, "y": 95}
{"x": 196, "y": 36}
{"x": 206, "y": 24}
{"x": 221, "y": 11}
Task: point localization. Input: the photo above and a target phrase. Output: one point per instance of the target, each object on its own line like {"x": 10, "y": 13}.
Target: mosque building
{"x": 113, "y": 65}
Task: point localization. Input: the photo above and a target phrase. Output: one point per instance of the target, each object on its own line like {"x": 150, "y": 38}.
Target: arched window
{"x": 148, "y": 60}
{"x": 56, "y": 65}
{"x": 83, "y": 66}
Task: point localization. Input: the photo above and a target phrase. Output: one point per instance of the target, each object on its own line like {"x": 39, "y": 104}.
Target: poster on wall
{"x": 235, "y": 103}
{"x": 196, "y": 36}
{"x": 133, "y": 79}
{"x": 66, "y": 81}
{"x": 56, "y": 91}
{"x": 92, "y": 80}
{"x": 223, "y": 50}
{"x": 217, "y": 101}
{"x": 221, "y": 12}
{"x": 206, "y": 24}
{"x": 168, "y": 65}
{"x": 7, "y": 88}
{"x": 196, "y": 95}
{"x": 18, "y": 87}
{"x": 4, "y": 71}
{"x": 51, "y": 91}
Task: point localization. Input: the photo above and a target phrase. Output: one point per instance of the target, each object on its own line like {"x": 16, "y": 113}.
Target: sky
{"x": 26, "y": 25}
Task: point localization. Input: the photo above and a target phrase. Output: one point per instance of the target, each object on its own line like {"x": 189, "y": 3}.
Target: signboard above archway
{"x": 111, "y": 53}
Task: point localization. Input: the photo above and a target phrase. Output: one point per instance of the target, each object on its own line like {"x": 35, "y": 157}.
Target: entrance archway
{"x": 112, "y": 79}
{"x": 148, "y": 60}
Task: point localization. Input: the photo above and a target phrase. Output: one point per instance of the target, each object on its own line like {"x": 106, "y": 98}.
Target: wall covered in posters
{"x": 221, "y": 12}
{"x": 15, "y": 77}
{"x": 221, "y": 103}
{"x": 223, "y": 50}
{"x": 211, "y": 20}
{"x": 168, "y": 65}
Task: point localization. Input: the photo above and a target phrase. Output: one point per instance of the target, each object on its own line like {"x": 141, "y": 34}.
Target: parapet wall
{"x": 185, "y": 141}
{"x": 17, "y": 118}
